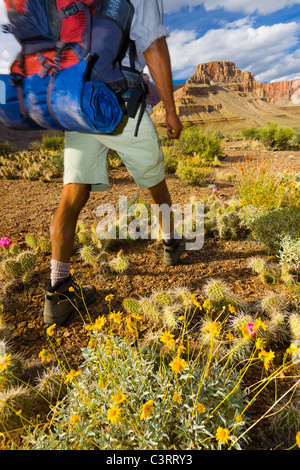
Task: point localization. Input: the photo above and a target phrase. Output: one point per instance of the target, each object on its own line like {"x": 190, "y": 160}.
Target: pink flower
{"x": 4, "y": 242}
{"x": 251, "y": 330}
{"x": 215, "y": 190}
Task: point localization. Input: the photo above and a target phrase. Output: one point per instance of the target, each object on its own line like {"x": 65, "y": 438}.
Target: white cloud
{"x": 263, "y": 7}
{"x": 264, "y": 51}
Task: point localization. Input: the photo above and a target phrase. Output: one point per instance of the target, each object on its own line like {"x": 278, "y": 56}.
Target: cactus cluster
{"x": 18, "y": 268}
{"x": 21, "y": 404}
{"x": 43, "y": 165}
{"x": 270, "y": 272}
{"x": 42, "y": 245}
{"x": 220, "y": 295}
{"x": 223, "y": 219}
{"x": 88, "y": 245}
{"x": 161, "y": 309}
{"x": 119, "y": 264}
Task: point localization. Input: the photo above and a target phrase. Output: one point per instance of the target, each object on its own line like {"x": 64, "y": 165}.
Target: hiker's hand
{"x": 174, "y": 125}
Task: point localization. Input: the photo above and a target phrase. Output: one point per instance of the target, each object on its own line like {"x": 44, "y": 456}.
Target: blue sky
{"x": 261, "y": 36}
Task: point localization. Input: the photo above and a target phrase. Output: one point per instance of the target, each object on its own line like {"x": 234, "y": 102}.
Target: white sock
{"x": 167, "y": 233}
{"x": 59, "y": 271}
{"x": 167, "y": 237}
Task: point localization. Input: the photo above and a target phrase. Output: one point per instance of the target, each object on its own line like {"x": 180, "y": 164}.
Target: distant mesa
{"x": 221, "y": 96}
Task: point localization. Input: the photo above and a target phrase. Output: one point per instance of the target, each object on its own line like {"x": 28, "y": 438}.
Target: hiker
{"x": 85, "y": 166}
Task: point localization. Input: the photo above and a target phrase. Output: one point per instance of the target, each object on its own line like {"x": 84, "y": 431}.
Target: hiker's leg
{"x": 161, "y": 197}
{"x": 62, "y": 231}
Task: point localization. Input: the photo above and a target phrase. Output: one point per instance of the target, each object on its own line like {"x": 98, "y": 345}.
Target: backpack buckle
{"x": 69, "y": 10}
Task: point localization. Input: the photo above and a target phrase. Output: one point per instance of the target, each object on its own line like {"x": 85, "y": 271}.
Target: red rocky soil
{"x": 27, "y": 207}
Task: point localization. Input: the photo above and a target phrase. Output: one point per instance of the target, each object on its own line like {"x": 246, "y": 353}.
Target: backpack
{"x": 68, "y": 74}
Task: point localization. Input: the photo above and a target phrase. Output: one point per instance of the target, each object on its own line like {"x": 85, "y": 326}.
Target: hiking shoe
{"x": 61, "y": 301}
{"x": 173, "y": 250}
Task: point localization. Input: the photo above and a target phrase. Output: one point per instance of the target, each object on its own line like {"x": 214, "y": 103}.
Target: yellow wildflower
{"x": 50, "y": 330}
{"x": 5, "y": 361}
{"x": 212, "y": 328}
{"x": 109, "y": 297}
{"x": 229, "y": 336}
{"x": 92, "y": 343}
{"x": 180, "y": 349}
{"x": 195, "y": 302}
{"x": 118, "y": 397}
{"x": 200, "y": 408}
{"x": 146, "y": 410}
{"x": 116, "y": 317}
{"x": 267, "y": 358}
{"x": 231, "y": 309}
{"x": 182, "y": 317}
{"x": 167, "y": 338}
{"x": 129, "y": 324}
{"x": 102, "y": 381}
{"x": 72, "y": 271}
{"x": 259, "y": 323}
{"x": 178, "y": 365}
{"x": 74, "y": 419}
{"x": 113, "y": 414}
{"x": 177, "y": 398}
{"x": 292, "y": 349}
{"x": 71, "y": 376}
{"x": 71, "y": 289}
{"x": 260, "y": 343}
{"x": 45, "y": 355}
{"x": 298, "y": 438}
{"x": 206, "y": 305}
{"x": 98, "y": 325}
{"x": 137, "y": 316}
{"x": 222, "y": 435}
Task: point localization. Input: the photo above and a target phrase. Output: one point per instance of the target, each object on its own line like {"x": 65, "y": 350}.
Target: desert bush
{"x": 53, "y": 142}
{"x": 5, "y": 149}
{"x": 270, "y": 227}
{"x": 194, "y": 140}
{"x": 192, "y": 169}
{"x": 170, "y": 160}
{"x": 265, "y": 183}
{"x": 274, "y": 137}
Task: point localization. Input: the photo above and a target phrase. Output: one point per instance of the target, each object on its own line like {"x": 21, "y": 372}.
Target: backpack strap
{"x": 137, "y": 88}
{"x": 71, "y": 9}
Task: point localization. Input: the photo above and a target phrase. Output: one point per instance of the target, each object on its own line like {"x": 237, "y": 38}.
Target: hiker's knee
{"x": 75, "y": 196}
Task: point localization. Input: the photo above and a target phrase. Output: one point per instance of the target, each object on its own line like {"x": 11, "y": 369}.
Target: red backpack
{"x": 55, "y": 35}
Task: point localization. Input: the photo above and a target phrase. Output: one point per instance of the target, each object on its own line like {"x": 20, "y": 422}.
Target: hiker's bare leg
{"x": 62, "y": 231}
{"x": 160, "y": 195}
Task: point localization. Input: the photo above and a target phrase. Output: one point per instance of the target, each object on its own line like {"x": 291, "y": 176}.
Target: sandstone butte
{"x": 220, "y": 96}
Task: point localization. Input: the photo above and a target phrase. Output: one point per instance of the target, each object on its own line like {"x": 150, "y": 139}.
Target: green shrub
{"x": 153, "y": 407}
{"x": 274, "y": 137}
{"x": 5, "y": 149}
{"x": 270, "y": 227}
{"x": 192, "y": 170}
{"x": 53, "y": 142}
{"x": 194, "y": 140}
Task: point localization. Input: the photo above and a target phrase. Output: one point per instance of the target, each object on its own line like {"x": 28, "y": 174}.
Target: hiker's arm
{"x": 158, "y": 61}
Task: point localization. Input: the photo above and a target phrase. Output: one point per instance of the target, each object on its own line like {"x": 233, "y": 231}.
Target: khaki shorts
{"x": 85, "y": 157}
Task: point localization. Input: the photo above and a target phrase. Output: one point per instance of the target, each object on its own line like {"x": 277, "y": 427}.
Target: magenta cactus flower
{"x": 251, "y": 330}
{"x": 5, "y": 242}
{"x": 215, "y": 190}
